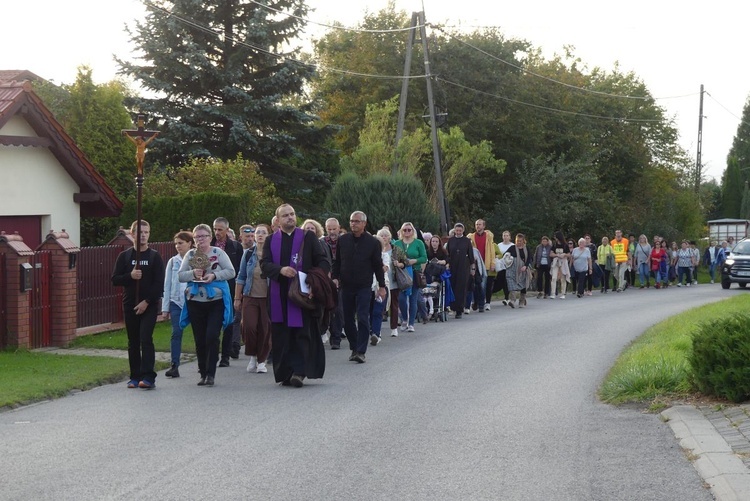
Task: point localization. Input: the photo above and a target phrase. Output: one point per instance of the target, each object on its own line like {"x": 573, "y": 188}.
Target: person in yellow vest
{"x": 621, "y": 248}
{"x": 484, "y": 241}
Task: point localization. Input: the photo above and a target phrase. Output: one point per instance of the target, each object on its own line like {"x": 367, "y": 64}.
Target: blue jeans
{"x": 357, "y": 304}
{"x": 176, "y": 344}
{"x": 643, "y": 273}
{"x": 712, "y": 271}
{"x": 376, "y": 314}
{"x": 685, "y": 271}
{"x": 408, "y": 304}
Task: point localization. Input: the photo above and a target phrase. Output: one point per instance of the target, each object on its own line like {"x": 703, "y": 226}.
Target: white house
{"x": 47, "y": 182}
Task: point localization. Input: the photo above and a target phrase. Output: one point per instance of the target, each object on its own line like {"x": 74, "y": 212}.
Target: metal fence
{"x": 41, "y": 307}
{"x": 99, "y": 302}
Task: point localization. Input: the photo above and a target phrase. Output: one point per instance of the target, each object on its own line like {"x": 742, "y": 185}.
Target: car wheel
{"x": 725, "y": 282}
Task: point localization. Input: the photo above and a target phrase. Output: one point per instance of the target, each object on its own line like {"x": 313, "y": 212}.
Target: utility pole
{"x": 698, "y": 164}
{"x": 418, "y": 22}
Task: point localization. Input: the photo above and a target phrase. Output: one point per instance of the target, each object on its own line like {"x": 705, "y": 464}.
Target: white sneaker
{"x": 487, "y": 307}
{"x": 261, "y": 368}
{"x": 687, "y": 284}
{"x": 394, "y": 332}
{"x": 505, "y": 302}
{"x": 410, "y": 328}
{"x": 324, "y": 338}
{"x": 467, "y": 311}
{"x": 712, "y": 281}
{"x": 403, "y": 326}
{"x": 679, "y": 285}
{"x": 562, "y": 297}
{"x": 253, "y": 365}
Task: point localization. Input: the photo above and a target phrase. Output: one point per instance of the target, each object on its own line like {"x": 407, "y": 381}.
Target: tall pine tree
{"x": 226, "y": 83}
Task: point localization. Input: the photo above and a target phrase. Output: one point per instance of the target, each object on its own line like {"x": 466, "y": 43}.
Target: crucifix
{"x": 141, "y": 138}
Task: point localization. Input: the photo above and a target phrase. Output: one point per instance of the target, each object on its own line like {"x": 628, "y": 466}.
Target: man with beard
{"x": 297, "y": 347}
{"x": 460, "y": 258}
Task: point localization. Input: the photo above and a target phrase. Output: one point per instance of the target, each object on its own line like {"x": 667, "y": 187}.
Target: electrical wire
{"x": 332, "y": 26}
{"x": 546, "y": 108}
{"x": 725, "y": 108}
{"x": 280, "y": 56}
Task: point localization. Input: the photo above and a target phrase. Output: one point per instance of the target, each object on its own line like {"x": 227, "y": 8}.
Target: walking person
{"x": 593, "y": 278}
{"x": 518, "y": 274}
{"x": 605, "y": 255}
{"x": 230, "y": 343}
{"x": 684, "y": 264}
{"x": 484, "y": 241}
{"x": 620, "y": 246}
{"x": 330, "y": 246}
{"x": 501, "y": 282}
{"x": 379, "y": 304}
{"x": 251, "y": 298}
{"x": 642, "y": 260}
{"x": 582, "y": 264}
{"x": 659, "y": 266}
{"x": 394, "y": 257}
{"x": 696, "y": 260}
{"x": 711, "y": 259}
{"x": 460, "y": 258}
{"x": 416, "y": 255}
{"x": 359, "y": 257}
{"x": 298, "y": 351}
{"x": 143, "y": 283}
{"x": 206, "y": 270}
{"x": 173, "y": 300}
{"x": 543, "y": 263}
{"x": 560, "y": 268}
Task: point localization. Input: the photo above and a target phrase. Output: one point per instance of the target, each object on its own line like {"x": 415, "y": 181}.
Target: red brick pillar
{"x": 63, "y": 286}
{"x": 18, "y": 303}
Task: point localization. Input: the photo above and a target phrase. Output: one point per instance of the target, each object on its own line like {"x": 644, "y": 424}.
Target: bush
{"x": 721, "y": 357}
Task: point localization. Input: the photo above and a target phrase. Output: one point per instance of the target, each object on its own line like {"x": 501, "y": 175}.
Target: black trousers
{"x": 544, "y": 279}
{"x": 488, "y": 287}
{"x": 141, "y": 353}
{"x": 206, "y": 319}
{"x": 501, "y": 284}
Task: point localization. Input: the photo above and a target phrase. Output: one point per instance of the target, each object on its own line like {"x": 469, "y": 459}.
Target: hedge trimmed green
{"x": 721, "y": 357}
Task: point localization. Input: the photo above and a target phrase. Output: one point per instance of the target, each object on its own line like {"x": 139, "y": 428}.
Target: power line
{"x": 546, "y": 108}
{"x": 332, "y": 26}
{"x": 513, "y": 65}
{"x": 280, "y": 56}
{"x": 725, "y": 108}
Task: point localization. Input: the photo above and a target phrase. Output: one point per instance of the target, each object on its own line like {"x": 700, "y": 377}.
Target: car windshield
{"x": 742, "y": 248}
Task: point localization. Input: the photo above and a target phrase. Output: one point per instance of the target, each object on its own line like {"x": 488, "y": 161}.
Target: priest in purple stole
{"x": 298, "y": 351}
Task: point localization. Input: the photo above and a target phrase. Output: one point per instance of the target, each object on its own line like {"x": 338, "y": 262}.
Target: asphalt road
{"x": 500, "y": 405}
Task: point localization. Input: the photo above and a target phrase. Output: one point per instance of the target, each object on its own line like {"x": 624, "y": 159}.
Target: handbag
{"x": 434, "y": 269}
{"x": 296, "y": 295}
{"x": 420, "y": 279}
{"x": 403, "y": 280}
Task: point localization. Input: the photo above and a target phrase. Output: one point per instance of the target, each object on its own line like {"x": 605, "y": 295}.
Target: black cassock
{"x": 460, "y": 258}
{"x": 296, "y": 350}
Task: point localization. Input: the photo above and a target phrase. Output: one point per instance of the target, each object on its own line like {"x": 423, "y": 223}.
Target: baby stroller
{"x": 436, "y": 290}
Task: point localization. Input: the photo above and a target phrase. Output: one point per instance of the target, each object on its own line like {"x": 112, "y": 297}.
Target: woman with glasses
{"x": 251, "y": 298}
{"x": 206, "y": 270}
{"x": 416, "y": 255}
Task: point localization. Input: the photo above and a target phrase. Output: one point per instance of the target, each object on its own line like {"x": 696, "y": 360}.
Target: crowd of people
{"x": 284, "y": 291}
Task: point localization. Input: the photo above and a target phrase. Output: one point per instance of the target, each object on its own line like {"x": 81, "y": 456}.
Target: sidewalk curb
{"x": 719, "y": 467}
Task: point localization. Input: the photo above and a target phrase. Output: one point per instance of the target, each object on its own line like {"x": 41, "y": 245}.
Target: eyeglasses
{"x": 248, "y": 230}
{"x": 571, "y": 243}
{"x": 198, "y": 237}
{"x": 407, "y": 230}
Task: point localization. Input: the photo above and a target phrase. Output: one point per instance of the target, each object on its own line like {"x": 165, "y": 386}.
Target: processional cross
{"x": 141, "y": 138}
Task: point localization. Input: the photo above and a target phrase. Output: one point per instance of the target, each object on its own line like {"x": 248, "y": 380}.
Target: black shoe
{"x": 359, "y": 358}
{"x": 209, "y": 380}
{"x": 224, "y": 362}
{"x": 351, "y": 357}
{"x": 286, "y": 382}
{"x": 335, "y": 347}
{"x": 297, "y": 381}
{"x": 459, "y": 315}
{"x": 202, "y": 382}
{"x": 173, "y": 371}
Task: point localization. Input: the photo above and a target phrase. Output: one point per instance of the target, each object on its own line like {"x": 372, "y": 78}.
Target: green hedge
{"x": 168, "y": 215}
{"x": 721, "y": 357}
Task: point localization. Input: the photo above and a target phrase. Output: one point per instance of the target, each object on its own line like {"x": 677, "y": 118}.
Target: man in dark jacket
{"x": 358, "y": 256}
{"x": 230, "y": 343}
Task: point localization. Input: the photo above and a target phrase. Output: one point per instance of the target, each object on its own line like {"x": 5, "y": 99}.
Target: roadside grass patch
{"x": 118, "y": 340}
{"x": 656, "y": 364}
{"x": 27, "y": 377}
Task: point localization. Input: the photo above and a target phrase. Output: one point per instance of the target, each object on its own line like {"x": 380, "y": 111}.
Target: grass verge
{"x": 28, "y": 377}
{"x": 655, "y": 365}
{"x": 118, "y": 340}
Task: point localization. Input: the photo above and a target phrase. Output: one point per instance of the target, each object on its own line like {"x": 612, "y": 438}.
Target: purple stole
{"x": 294, "y": 312}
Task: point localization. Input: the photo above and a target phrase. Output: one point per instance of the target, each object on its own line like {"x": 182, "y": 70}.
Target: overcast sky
{"x": 674, "y": 46}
